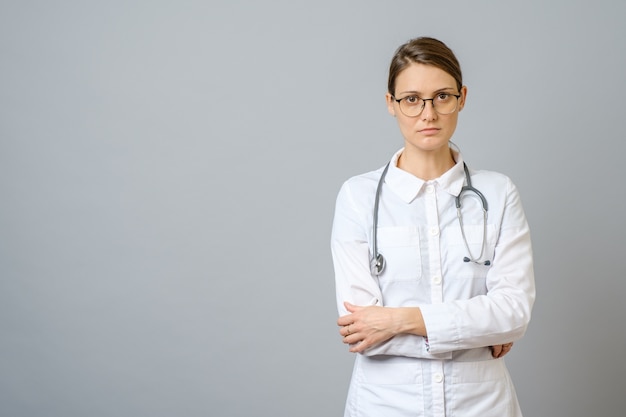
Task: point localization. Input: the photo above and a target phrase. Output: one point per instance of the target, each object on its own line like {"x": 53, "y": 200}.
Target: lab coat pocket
{"x": 401, "y": 248}
{"x": 483, "y": 387}
{"x": 388, "y": 381}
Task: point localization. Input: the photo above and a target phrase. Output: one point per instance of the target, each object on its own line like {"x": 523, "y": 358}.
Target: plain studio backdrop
{"x": 168, "y": 174}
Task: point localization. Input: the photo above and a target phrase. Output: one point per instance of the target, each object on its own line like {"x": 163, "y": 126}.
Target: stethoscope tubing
{"x": 377, "y": 264}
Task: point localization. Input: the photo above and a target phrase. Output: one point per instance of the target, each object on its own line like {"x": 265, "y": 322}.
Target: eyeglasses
{"x": 443, "y": 103}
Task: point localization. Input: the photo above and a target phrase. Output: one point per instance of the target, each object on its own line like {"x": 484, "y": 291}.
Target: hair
{"x": 424, "y": 50}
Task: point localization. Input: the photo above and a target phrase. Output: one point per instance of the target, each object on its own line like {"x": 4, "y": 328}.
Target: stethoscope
{"x": 377, "y": 263}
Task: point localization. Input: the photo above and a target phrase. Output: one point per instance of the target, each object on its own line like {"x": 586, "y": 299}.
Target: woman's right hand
{"x": 498, "y": 351}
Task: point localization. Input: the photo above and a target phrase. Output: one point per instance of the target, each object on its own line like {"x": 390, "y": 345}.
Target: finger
{"x": 345, "y": 320}
{"x": 351, "y": 307}
{"x": 350, "y": 338}
{"x": 501, "y": 350}
{"x": 358, "y": 346}
{"x": 496, "y": 351}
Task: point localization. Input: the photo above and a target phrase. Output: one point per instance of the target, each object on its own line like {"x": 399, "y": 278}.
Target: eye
{"x": 443, "y": 97}
{"x": 413, "y": 100}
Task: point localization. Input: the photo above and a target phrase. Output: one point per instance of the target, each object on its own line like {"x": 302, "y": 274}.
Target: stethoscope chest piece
{"x": 378, "y": 265}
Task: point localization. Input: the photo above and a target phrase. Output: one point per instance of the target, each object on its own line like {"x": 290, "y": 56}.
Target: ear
{"x": 390, "y": 104}
{"x": 463, "y": 97}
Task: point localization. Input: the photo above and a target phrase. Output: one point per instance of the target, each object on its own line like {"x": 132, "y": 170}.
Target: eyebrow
{"x": 417, "y": 93}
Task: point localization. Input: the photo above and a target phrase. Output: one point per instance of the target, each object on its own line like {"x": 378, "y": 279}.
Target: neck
{"x": 426, "y": 165}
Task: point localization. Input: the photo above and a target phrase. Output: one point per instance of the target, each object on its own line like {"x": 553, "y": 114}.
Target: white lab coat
{"x": 467, "y": 307}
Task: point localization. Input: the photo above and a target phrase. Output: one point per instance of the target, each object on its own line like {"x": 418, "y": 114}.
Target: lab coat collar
{"x": 407, "y": 186}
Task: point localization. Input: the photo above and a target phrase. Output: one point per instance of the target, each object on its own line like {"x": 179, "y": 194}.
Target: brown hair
{"x": 427, "y": 51}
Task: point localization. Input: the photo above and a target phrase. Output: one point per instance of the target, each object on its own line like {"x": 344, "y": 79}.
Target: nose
{"x": 428, "y": 112}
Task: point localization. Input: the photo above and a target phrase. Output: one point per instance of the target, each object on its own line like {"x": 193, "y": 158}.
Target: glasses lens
{"x": 445, "y": 103}
{"x": 411, "y": 106}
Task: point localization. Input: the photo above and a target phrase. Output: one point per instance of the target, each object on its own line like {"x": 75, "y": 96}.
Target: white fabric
{"x": 467, "y": 307}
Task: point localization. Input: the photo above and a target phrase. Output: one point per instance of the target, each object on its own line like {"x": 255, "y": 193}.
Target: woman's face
{"x": 429, "y": 131}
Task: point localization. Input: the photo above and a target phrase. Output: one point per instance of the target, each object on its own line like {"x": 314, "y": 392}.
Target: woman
{"x": 432, "y": 316}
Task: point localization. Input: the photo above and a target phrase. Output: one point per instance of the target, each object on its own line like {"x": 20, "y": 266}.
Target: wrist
{"x": 410, "y": 321}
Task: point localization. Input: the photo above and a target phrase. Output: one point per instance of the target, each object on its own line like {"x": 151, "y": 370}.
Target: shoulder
{"x": 360, "y": 190}
{"x": 366, "y": 181}
{"x": 499, "y": 190}
{"x": 491, "y": 179}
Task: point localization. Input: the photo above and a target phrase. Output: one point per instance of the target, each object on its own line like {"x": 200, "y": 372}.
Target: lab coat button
{"x": 434, "y": 231}
{"x": 438, "y": 377}
{"x": 436, "y": 279}
{"x": 430, "y": 188}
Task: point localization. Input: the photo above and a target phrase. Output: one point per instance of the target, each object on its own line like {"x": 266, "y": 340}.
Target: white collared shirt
{"x": 466, "y": 306}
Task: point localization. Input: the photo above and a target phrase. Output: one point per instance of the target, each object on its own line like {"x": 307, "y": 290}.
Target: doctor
{"x": 430, "y": 328}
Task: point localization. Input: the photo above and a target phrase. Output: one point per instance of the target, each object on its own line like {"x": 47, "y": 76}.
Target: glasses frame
{"x": 424, "y": 100}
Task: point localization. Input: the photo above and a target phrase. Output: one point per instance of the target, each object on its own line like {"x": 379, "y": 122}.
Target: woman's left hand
{"x": 367, "y": 326}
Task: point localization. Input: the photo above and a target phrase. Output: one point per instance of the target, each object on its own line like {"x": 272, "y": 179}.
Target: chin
{"x": 428, "y": 144}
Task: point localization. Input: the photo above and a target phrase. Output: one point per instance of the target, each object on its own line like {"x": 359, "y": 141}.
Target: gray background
{"x": 168, "y": 172}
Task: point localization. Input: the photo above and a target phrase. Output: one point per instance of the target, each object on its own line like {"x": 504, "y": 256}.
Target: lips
{"x": 429, "y": 131}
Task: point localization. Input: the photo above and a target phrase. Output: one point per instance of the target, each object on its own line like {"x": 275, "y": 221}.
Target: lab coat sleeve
{"x": 351, "y": 254}
{"x": 353, "y": 280}
{"x": 503, "y": 313}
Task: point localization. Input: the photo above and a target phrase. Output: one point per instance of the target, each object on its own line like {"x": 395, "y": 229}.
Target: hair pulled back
{"x": 428, "y": 51}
